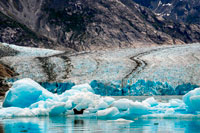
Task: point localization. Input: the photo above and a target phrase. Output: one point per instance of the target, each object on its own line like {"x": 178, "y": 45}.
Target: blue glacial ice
{"x": 28, "y": 91}
{"x": 140, "y": 88}
{"x": 28, "y": 98}
{"x": 192, "y": 100}
{"x": 114, "y": 88}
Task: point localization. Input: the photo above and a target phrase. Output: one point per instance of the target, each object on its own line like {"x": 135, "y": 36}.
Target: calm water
{"x": 76, "y": 124}
{"x": 73, "y": 124}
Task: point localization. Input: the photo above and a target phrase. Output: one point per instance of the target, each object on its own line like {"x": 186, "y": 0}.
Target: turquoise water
{"x": 76, "y": 124}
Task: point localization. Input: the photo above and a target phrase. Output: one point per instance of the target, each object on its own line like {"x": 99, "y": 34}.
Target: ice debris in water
{"x": 28, "y": 98}
{"x": 192, "y": 100}
{"x": 120, "y": 120}
{"x": 114, "y": 88}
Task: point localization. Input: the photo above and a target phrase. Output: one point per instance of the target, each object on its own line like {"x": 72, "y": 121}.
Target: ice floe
{"x": 28, "y": 98}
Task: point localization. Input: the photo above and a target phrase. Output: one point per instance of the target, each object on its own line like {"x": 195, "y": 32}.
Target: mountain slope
{"x": 177, "y": 10}
{"x": 88, "y": 24}
{"x": 12, "y": 31}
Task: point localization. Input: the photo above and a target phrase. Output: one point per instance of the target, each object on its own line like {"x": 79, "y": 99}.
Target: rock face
{"x": 176, "y": 10}
{"x": 88, "y": 24}
{"x": 17, "y": 33}
{"x": 5, "y": 72}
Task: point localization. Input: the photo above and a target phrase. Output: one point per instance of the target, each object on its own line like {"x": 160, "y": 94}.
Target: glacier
{"x": 28, "y": 98}
{"x": 140, "y": 88}
{"x": 114, "y": 88}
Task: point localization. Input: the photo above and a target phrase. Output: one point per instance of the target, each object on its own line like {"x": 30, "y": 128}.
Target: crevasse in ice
{"x": 28, "y": 98}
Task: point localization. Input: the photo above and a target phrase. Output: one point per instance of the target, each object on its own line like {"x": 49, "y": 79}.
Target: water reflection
{"x": 76, "y": 124}
{"x": 1, "y": 128}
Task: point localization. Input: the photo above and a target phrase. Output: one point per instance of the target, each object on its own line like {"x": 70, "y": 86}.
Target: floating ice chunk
{"x": 75, "y": 90}
{"x": 24, "y": 93}
{"x": 170, "y": 111}
{"x": 138, "y": 108}
{"x": 92, "y": 110}
{"x": 192, "y": 100}
{"x": 195, "y": 103}
{"x": 109, "y": 113}
{"x": 27, "y": 98}
{"x": 43, "y": 104}
{"x": 121, "y": 121}
{"x": 151, "y": 101}
{"x": 84, "y": 100}
{"x": 64, "y": 96}
{"x": 108, "y": 100}
{"x": 59, "y": 109}
{"x": 39, "y": 112}
{"x": 102, "y": 105}
{"x": 176, "y": 102}
{"x": 83, "y": 87}
{"x": 122, "y": 104}
{"x": 15, "y": 111}
{"x": 68, "y": 104}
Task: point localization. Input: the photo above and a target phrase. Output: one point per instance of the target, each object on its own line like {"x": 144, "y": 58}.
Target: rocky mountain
{"x": 88, "y": 24}
{"x": 177, "y": 10}
{"x": 5, "y": 72}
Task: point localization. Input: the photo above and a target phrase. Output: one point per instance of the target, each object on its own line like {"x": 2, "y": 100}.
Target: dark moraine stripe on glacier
{"x": 140, "y": 64}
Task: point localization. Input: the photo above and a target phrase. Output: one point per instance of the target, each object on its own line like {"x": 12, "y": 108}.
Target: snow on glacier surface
{"x": 32, "y": 52}
{"x": 27, "y": 64}
{"x": 28, "y": 98}
{"x": 164, "y": 63}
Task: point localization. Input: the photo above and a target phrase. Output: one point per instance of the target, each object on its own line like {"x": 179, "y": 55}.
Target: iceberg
{"x": 122, "y": 104}
{"x": 28, "y": 98}
{"x": 120, "y": 120}
{"x": 109, "y": 113}
{"x": 26, "y": 92}
{"x": 151, "y": 101}
{"x": 114, "y": 88}
{"x": 192, "y": 100}
{"x": 138, "y": 108}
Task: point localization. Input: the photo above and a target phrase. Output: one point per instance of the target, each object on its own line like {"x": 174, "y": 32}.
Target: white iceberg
{"x": 151, "y": 101}
{"x": 138, "y": 108}
{"x": 122, "y": 104}
{"x": 28, "y": 98}
{"x": 108, "y": 113}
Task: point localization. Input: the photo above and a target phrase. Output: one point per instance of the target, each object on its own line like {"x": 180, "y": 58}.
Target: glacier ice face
{"x": 140, "y": 88}
{"x": 58, "y": 88}
{"x": 28, "y": 98}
